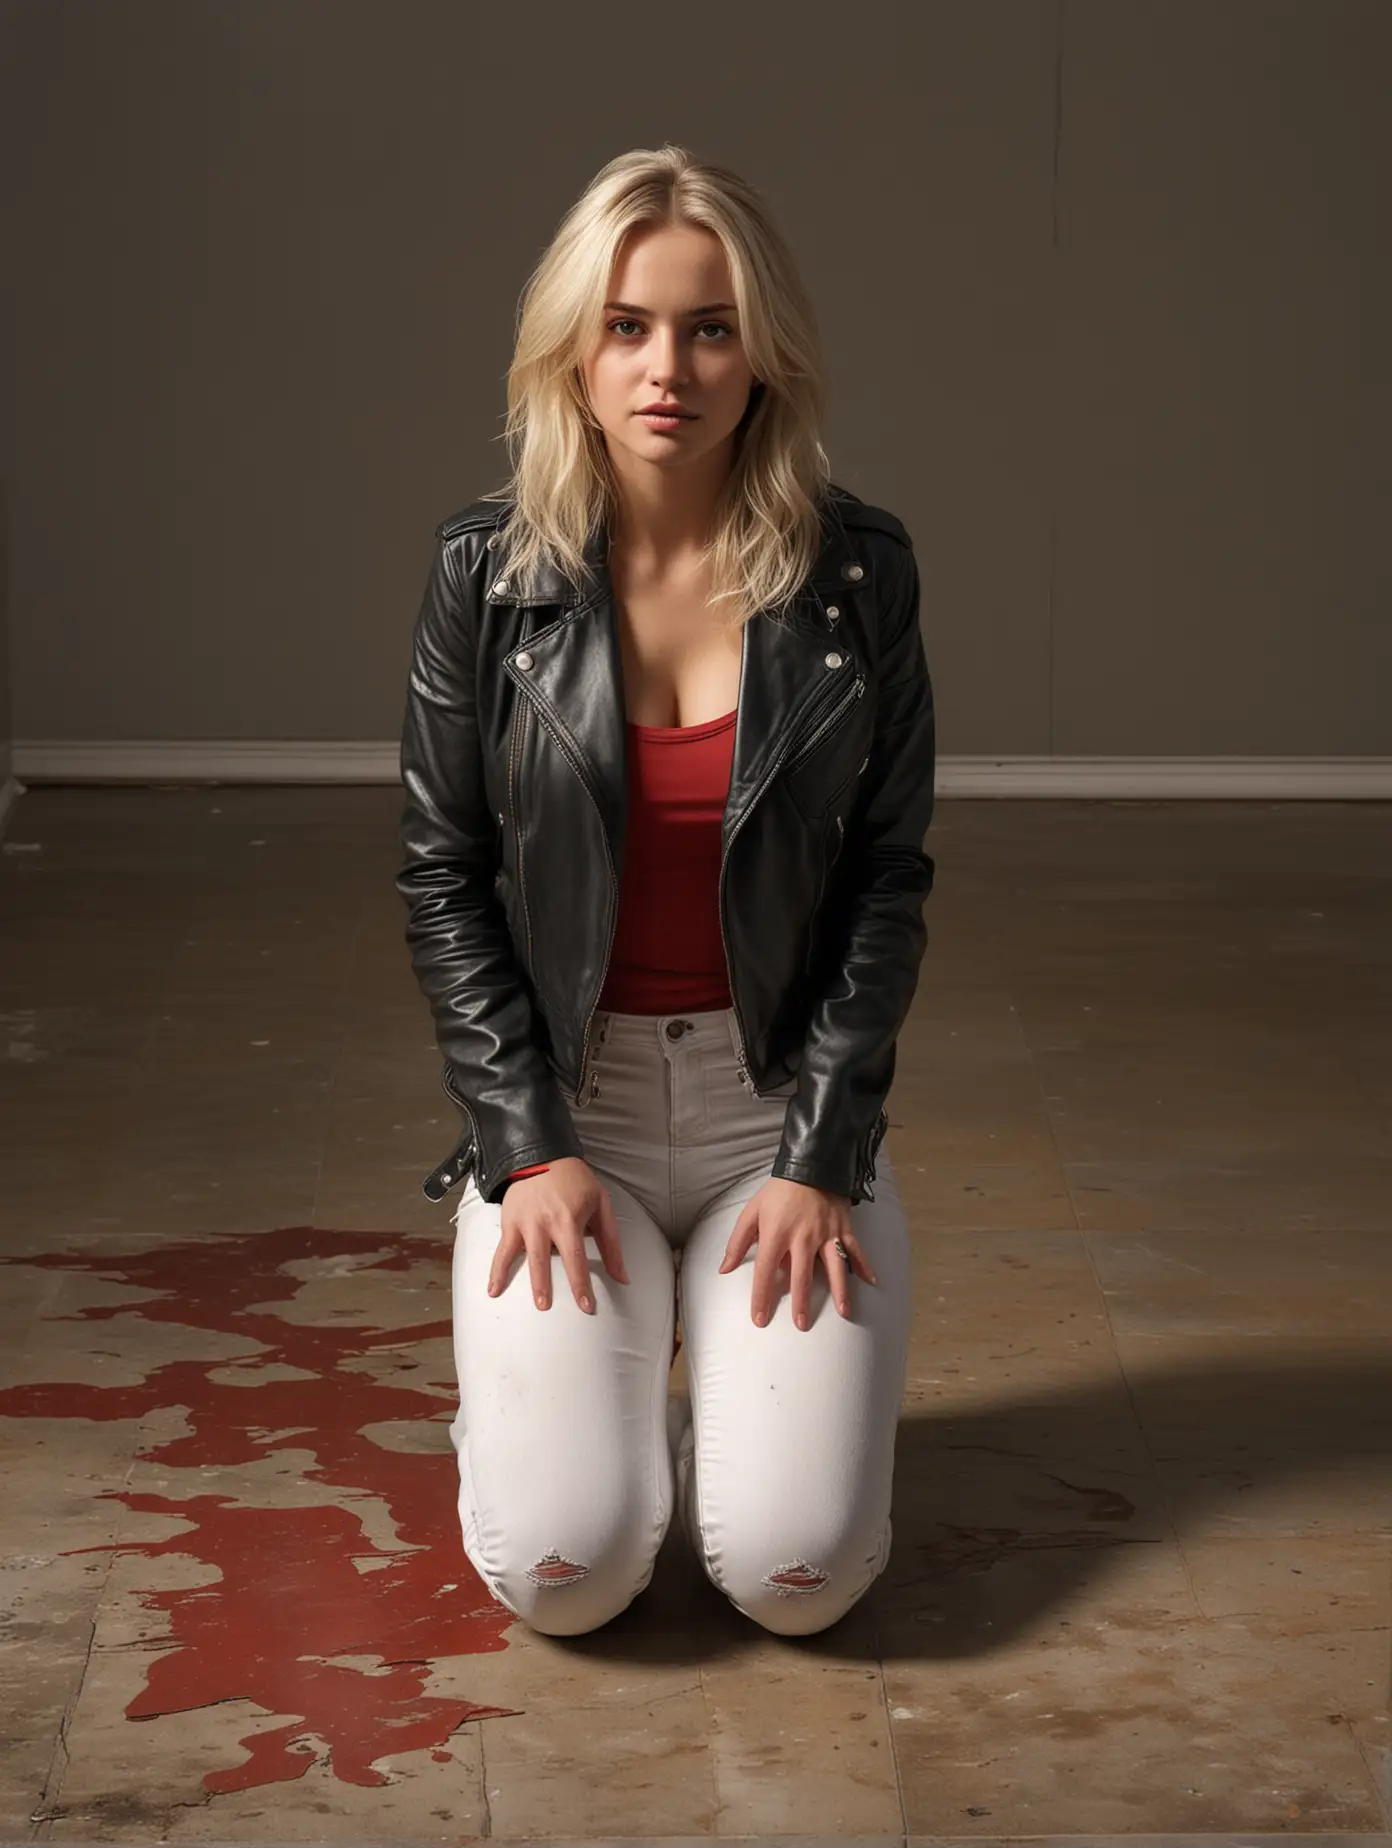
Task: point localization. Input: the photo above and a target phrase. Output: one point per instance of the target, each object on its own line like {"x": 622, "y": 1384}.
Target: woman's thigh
{"x": 565, "y": 1476}
{"x": 785, "y": 1475}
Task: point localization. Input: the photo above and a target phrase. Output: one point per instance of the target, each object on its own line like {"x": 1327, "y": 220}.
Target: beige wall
{"x": 6, "y": 700}
{"x": 1102, "y": 286}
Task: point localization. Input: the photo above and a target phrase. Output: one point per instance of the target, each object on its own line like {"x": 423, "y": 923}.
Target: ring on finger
{"x": 841, "y": 1251}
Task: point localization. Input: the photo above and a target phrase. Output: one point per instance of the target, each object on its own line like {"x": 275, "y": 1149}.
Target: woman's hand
{"x": 795, "y": 1224}
{"x": 558, "y": 1208}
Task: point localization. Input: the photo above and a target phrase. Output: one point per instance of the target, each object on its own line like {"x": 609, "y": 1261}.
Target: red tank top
{"x": 668, "y": 952}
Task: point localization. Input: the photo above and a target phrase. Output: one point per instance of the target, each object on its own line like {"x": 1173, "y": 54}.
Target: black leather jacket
{"x": 513, "y": 763}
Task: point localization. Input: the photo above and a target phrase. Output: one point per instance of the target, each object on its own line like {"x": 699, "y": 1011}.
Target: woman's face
{"x": 651, "y": 348}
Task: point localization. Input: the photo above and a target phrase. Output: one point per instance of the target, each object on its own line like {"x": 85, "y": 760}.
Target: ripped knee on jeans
{"x": 797, "y": 1576}
{"x": 552, "y": 1569}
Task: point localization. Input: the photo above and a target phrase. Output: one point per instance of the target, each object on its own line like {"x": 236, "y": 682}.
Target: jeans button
{"x": 675, "y": 1028}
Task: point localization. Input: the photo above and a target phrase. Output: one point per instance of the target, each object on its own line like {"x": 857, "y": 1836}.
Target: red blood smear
{"x": 289, "y": 1591}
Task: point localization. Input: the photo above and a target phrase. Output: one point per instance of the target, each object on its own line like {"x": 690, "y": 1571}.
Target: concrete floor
{"x": 1142, "y": 1572}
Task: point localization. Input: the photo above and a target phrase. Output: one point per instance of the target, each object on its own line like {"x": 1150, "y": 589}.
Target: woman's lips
{"x": 666, "y": 420}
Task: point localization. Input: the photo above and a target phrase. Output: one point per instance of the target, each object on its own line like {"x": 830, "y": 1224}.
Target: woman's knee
{"x": 576, "y": 1600}
{"x": 802, "y": 1591}
{"x": 571, "y": 1589}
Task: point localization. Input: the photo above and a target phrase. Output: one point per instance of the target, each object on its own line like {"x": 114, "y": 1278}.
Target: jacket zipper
{"x": 513, "y": 756}
{"x": 471, "y": 1155}
{"x": 865, "y": 1169}
{"x": 847, "y": 699}
{"x": 843, "y": 704}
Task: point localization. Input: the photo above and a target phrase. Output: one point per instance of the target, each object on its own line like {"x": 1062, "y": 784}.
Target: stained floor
{"x": 1142, "y": 1571}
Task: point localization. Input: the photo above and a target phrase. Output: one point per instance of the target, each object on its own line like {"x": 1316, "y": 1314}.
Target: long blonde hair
{"x": 766, "y": 530}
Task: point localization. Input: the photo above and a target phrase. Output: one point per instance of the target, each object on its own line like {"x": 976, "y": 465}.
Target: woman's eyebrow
{"x": 633, "y": 308}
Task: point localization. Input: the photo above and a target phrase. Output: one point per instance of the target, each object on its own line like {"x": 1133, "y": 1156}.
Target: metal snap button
{"x": 524, "y": 661}
{"x": 852, "y": 573}
{"x": 494, "y": 539}
{"x": 834, "y": 659}
{"x": 675, "y": 1029}
{"x": 832, "y": 612}
{"x": 500, "y": 587}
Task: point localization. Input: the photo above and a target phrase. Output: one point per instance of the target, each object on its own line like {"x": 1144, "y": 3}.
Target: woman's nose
{"x": 666, "y": 360}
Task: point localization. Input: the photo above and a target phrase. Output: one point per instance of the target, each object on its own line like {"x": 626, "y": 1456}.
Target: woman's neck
{"x": 663, "y": 518}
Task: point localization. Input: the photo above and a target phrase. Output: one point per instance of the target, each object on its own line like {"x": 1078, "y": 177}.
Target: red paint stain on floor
{"x": 290, "y": 1594}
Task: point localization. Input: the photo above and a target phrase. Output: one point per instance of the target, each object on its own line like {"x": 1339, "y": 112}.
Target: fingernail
{"x": 587, "y": 1304}
{"x": 540, "y": 1301}
{"x": 760, "y": 1317}
{"x": 801, "y": 1319}
{"x": 873, "y": 1277}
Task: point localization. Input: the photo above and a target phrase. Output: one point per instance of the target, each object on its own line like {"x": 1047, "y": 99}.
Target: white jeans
{"x": 782, "y": 1465}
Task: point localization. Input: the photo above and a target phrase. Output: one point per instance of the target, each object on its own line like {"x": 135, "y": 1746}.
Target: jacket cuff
{"x": 854, "y": 1182}
{"x": 494, "y": 1183}
{"x": 812, "y": 1174}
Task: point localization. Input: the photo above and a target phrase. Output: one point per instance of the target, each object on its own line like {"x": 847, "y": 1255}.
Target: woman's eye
{"x": 617, "y": 327}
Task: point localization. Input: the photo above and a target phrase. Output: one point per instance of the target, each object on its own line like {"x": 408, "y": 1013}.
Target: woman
{"x": 668, "y": 761}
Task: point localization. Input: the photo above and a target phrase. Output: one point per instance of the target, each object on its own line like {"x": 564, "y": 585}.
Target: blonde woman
{"x": 668, "y": 761}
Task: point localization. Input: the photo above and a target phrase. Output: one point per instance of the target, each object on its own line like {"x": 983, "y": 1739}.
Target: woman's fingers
{"x": 837, "y": 1280}
{"x": 859, "y": 1262}
{"x": 768, "y": 1260}
{"x": 508, "y": 1247}
{"x": 553, "y": 1210}
{"x": 746, "y": 1230}
{"x": 801, "y": 1255}
{"x": 539, "y": 1265}
{"x": 800, "y": 1261}
{"x": 605, "y": 1229}
{"x": 539, "y": 1241}
{"x": 570, "y": 1242}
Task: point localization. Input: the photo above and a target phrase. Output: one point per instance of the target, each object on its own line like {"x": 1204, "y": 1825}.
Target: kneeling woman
{"x": 668, "y": 762}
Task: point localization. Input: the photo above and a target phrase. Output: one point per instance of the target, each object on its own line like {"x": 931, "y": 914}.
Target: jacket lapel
{"x": 784, "y": 678}
{"x": 571, "y": 670}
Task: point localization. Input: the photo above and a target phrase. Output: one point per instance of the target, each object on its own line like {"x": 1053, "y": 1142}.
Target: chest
{"x": 681, "y": 659}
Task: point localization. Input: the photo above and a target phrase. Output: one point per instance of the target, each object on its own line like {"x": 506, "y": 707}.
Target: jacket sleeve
{"x": 461, "y": 949}
{"x": 836, "y": 1119}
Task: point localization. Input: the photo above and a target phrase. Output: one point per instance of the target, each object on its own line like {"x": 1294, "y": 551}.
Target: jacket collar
{"x": 547, "y": 582}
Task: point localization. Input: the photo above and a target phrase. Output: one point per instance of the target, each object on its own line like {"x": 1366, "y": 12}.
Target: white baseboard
{"x": 200, "y": 760}
{"x": 1100, "y": 779}
{"x": 1154, "y": 779}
